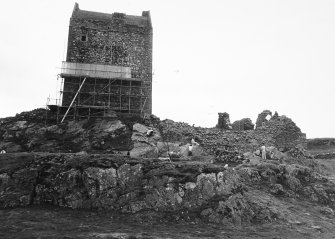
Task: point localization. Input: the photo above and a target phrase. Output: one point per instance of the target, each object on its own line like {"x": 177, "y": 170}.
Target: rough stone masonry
{"x": 101, "y": 41}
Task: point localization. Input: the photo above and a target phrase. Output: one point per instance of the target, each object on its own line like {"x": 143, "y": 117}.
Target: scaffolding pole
{"x": 74, "y": 98}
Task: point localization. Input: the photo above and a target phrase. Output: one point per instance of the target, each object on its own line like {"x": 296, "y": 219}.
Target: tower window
{"x": 83, "y": 37}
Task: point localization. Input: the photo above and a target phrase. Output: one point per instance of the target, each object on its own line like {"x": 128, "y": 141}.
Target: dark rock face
{"x": 33, "y": 134}
{"x": 144, "y": 145}
{"x": 113, "y": 183}
{"x": 223, "y": 121}
{"x": 20, "y": 184}
{"x": 209, "y": 191}
{"x": 243, "y": 124}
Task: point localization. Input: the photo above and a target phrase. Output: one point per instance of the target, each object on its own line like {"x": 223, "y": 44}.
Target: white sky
{"x": 235, "y": 56}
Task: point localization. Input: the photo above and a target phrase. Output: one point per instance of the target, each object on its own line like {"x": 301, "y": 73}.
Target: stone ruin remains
{"x": 271, "y": 130}
{"x": 243, "y": 124}
{"x": 263, "y": 117}
{"x": 224, "y": 121}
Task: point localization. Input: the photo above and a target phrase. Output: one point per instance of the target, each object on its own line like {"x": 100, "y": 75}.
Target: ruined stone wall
{"x": 284, "y": 132}
{"x": 280, "y": 132}
{"x": 262, "y": 117}
{"x": 223, "y": 121}
{"x": 243, "y": 124}
{"x": 105, "y": 38}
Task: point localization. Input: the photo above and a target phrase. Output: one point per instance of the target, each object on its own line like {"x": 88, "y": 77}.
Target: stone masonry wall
{"x": 98, "y": 38}
{"x": 280, "y": 132}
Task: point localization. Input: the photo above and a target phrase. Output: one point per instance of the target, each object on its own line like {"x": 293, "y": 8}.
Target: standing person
{"x": 190, "y": 149}
{"x": 263, "y": 151}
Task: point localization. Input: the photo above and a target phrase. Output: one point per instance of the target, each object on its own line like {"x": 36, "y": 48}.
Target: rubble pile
{"x": 299, "y": 152}
{"x": 230, "y": 157}
{"x": 178, "y": 131}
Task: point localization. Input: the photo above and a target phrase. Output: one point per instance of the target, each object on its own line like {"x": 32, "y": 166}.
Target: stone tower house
{"x": 108, "y": 64}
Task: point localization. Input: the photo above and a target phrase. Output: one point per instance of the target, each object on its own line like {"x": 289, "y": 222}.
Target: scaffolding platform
{"x": 93, "y": 90}
{"x": 86, "y": 112}
{"x": 94, "y": 70}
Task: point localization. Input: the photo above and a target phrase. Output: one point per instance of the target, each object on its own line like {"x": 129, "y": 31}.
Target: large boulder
{"x": 101, "y": 185}
{"x": 144, "y": 150}
{"x": 145, "y": 141}
{"x": 140, "y": 132}
{"x": 273, "y": 153}
{"x": 110, "y": 126}
{"x": 164, "y": 148}
{"x": 17, "y": 189}
{"x": 129, "y": 177}
{"x": 109, "y": 135}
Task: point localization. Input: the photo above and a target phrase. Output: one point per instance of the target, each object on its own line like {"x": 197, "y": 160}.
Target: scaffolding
{"x": 93, "y": 93}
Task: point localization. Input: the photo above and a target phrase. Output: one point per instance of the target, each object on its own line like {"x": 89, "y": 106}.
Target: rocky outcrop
{"x": 36, "y": 133}
{"x": 244, "y": 194}
{"x": 145, "y": 145}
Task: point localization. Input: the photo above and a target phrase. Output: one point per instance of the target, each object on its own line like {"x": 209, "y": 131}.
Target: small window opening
{"x": 83, "y": 38}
